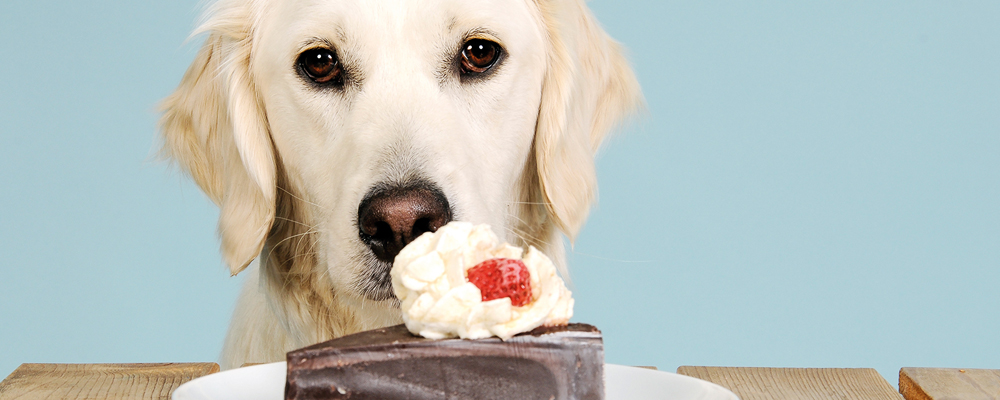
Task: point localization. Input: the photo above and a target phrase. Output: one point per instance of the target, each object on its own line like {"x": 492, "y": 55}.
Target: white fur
{"x": 288, "y": 164}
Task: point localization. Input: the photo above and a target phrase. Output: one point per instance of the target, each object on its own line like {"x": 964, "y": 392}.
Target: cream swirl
{"x": 438, "y": 301}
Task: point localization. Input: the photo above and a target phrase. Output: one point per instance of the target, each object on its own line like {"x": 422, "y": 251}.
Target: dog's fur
{"x": 288, "y": 163}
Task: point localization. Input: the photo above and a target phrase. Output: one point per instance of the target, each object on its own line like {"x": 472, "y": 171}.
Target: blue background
{"x": 814, "y": 184}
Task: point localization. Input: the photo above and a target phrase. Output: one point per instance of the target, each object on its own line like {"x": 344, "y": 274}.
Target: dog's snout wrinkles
{"x": 389, "y": 219}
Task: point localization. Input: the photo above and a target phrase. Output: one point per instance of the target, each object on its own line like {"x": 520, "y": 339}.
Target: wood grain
{"x": 949, "y": 383}
{"x": 100, "y": 381}
{"x": 751, "y": 383}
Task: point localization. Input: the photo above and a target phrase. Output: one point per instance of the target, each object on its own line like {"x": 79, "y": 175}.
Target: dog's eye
{"x": 479, "y": 55}
{"x": 320, "y": 65}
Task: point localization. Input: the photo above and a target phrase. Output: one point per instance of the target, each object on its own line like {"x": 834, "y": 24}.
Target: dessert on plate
{"x": 482, "y": 320}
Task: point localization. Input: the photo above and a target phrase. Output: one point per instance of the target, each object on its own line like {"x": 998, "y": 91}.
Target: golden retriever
{"x": 332, "y": 132}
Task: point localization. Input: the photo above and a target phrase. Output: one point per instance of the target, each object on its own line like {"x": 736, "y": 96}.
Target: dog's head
{"x": 360, "y": 124}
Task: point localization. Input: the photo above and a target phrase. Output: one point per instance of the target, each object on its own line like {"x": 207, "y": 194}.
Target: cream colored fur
{"x": 288, "y": 165}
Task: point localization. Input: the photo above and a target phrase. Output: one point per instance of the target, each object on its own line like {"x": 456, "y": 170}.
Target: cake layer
{"x": 563, "y": 362}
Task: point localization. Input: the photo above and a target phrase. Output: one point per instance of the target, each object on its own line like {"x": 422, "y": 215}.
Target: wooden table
{"x": 157, "y": 381}
{"x": 949, "y": 383}
{"x": 100, "y": 381}
{"x": 797, "y": 383}
{"x": 851, "y": 383}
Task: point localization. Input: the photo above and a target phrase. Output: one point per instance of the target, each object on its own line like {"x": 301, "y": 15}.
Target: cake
{"x": 482, "y": 320}
{"x": 562, "y": 362}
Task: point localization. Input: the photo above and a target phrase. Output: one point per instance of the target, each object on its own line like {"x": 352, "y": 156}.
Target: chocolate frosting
{"x": 563, "y": 362}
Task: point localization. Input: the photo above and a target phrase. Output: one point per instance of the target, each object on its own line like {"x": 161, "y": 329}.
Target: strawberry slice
{"x": 497, "y": 278}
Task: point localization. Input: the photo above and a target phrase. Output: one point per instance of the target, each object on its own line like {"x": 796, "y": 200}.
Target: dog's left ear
{"x": 588, "y": 88}
{"x": 214, "y": 127}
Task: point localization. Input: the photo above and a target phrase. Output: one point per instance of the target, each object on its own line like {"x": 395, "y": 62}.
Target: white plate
{"x": 267, "y": 382}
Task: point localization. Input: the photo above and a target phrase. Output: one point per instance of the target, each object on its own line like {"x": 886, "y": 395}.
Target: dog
{"x": 330, "y": 133}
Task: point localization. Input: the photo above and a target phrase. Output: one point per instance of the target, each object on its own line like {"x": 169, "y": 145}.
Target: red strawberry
{"x": 497, "y": 278}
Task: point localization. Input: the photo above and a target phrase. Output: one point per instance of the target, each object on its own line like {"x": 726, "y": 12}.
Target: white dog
{"x": 332, "y": 132}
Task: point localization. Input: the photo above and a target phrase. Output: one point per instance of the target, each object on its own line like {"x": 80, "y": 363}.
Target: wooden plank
{"x": 752, "y": 383}
{"x": 949, "y": 383}
{"x": 100, "y": 381}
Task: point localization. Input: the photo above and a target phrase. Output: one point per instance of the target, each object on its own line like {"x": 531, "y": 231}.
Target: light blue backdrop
{"x": 815, "y": 184}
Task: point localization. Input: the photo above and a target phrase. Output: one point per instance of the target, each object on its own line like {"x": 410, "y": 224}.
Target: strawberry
{"x": 497, "y": 278}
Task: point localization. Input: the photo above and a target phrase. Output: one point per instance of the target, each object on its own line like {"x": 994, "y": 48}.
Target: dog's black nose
{"x": 390, "y": 218}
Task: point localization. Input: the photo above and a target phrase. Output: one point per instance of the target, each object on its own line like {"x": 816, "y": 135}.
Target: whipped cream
{"x": 438, "y": 301}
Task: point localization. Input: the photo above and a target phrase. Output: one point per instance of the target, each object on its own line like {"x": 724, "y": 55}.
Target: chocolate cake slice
{"x": 548, "y": 363}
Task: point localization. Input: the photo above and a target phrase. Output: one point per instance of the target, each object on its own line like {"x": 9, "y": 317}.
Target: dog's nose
{"x": 390, "y": 218}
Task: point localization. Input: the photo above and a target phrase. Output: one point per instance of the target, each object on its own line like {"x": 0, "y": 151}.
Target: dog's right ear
{"x": 213, "y": 126}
